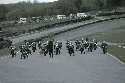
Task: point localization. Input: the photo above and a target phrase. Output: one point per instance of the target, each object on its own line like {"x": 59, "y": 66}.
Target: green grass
{"x": 114, "y": 36}
{"x": 4, "y": 52}
{"x": 118, "y": 52}
{"x": 29, "y": 26}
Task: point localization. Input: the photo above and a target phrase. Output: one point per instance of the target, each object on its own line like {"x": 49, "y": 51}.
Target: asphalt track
{"x": 92, "y": 67}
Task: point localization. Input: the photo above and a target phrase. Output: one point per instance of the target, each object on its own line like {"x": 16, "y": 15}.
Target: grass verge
{"x": 118, "y": 52}
{"x": 4, "y": 52}
{"x": 113, "y": 36}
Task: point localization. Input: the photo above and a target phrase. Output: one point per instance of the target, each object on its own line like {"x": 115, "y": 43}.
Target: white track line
{"x": 121, "y": 62}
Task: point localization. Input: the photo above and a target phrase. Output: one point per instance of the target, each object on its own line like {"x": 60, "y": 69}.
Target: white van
{"x": 22, "y": 20}
{"x": 81, "y": 15}
{"x": 61, "y": 16}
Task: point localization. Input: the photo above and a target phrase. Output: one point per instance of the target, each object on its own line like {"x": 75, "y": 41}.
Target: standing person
{"x": 60, "y": 45}
{"x": 23, "y": 52}
{"x": 77, "y": 42}
{"x": 28, "y": 51}
{"x": 73, "y": 50}
{"x": 34, "y": 46}
{"x": 57, "y": 48}
{"x": 90, "y": 48}
{"x": 70, "y": 48}
{"x": 67, "y": 43}
{"x": 86, "y": 44}
{"x": 95, "y": 45}
{"x": 87, "y": 39}
{"x": 39, "y": 44}
{"x": 44, "y": 49}
{"x": 12, "y": 51}
{"x": 50, "y": 48}
{"x": 82, "y": 48}
{"x": 104, "y": 47}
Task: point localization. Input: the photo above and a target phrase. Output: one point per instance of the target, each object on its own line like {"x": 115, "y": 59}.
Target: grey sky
{"x": 15, "y": 1}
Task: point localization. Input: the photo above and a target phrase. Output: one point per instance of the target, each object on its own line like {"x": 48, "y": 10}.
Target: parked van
{"x": 61, "y": 16}
{"x": 22, "y": 20}
{"x": 81, "y": 15}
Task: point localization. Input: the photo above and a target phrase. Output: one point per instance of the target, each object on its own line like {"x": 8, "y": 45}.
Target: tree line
{"x": 28, "y": 9}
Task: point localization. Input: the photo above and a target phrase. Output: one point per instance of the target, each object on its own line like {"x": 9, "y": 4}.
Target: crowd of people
{"x": 52, "y": 47}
